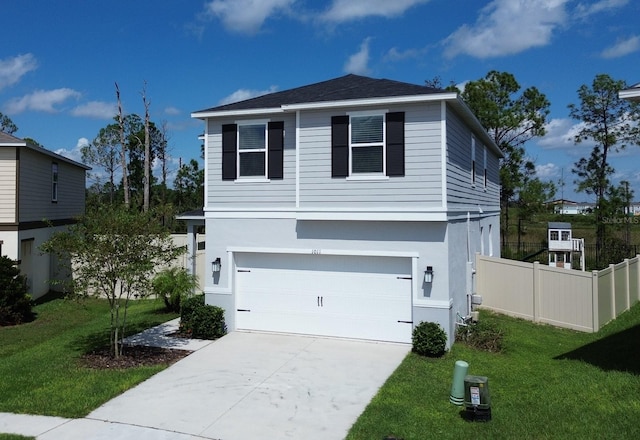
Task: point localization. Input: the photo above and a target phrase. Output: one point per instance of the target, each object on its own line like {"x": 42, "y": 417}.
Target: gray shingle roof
{"x": 8, "y": 140}
{"x": 338, "y": 89}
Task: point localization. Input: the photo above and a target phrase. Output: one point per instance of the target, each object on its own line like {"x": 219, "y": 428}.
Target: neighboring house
{"x": 563, "y": 206}
{"x": 40, "y": 192}
{"x": 632, "y": 93}
{"x": 349, "y": 208}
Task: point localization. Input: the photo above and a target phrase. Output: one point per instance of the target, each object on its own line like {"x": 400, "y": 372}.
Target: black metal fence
{"x": 526, "y": 251}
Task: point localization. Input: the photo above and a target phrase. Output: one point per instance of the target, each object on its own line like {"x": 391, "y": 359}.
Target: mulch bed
{"x": 133, "y": 356}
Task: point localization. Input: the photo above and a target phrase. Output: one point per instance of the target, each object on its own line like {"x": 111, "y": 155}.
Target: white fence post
{"x": 612, "y": 291}
{"x": 627, "y": 291}
{"x": 595, "y": 308}
{"x": 536, "y": 291}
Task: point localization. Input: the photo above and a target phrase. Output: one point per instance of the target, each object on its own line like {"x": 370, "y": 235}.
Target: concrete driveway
{"x": 248, "y": 386}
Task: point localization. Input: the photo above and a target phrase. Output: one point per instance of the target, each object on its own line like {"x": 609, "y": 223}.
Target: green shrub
{"x": 429, "y": 339}
{"x": 200, "y": 320}
{"x": 483, "y": 335}
{"x": 15, "y": 303}
{"x": 173, "y": 285}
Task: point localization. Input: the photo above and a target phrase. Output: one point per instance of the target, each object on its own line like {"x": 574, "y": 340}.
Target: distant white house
{"x": 632, "y": 93}
{"x": 349, "y": 208}
{"x": 40, "y": 192}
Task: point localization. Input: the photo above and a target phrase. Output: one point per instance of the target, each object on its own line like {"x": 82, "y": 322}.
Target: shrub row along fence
{"x": 567, "y": 298}
{"x": 527, "y": 251}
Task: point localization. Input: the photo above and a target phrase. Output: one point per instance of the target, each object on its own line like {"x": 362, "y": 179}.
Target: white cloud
{"x": 560, "y": 134}
{"x": 41, "y": 100}
{"x": 244, "y": 94}
{"x": 507, "y": 27}
{"x": 76, "y": 152}
{"x": 245, "y": 16}
{"x": 584, "y": 10}
{"x": 358, "y": 62}
{"x": 347, "y": 10}
{"x": 96, "y": 109}
{"x": 394, "y": 54}
{"x": 172, "y": 111}
{"x": 622, "y": 48}
{"x": 547, "y": 171}
{"x": 13, "y": 69}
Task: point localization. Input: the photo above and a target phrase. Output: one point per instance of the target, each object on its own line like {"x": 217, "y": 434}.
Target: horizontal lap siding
{"x": 8, "y": 185}
{"x": 420, "y": 187}
{"x": 460, "y": 191}
{"x": 230, "y": 194}
{"x": 36, "y": 186}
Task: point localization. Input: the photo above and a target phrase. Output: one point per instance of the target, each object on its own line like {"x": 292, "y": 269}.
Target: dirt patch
{"x": 133, "y": 356}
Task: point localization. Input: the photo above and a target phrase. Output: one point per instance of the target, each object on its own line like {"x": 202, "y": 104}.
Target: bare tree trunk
{"x": 123, "y": 150}
{"x": 147, "y": 151}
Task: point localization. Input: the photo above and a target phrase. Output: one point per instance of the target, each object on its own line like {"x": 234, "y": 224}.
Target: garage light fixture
{"x": 216, "y": 265}
{"x": 428, "y": 274}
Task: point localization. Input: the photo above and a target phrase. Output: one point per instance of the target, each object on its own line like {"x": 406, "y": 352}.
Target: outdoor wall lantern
{"x": 216, "y": 265}
{"x": 428, "y": 274}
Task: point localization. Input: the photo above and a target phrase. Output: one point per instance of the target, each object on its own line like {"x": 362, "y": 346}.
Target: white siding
{"x": 238, "y": 194}
{"x": 8, "y": 178}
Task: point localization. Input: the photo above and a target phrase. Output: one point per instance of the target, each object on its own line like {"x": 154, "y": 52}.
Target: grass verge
{"x": 548, "y": 383}
{"x": 40, "y": 371}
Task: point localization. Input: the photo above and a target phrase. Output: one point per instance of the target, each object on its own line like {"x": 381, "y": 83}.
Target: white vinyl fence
{"x": 573, "y": 299}
{"x": 185, "y": 260}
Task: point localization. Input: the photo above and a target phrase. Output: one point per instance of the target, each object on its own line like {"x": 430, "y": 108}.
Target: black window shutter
{"x": 229, "y": 151}
{"x": 395, "y": 144}
{"x": 340, "y": 146}
{"x": 276, "y": 147}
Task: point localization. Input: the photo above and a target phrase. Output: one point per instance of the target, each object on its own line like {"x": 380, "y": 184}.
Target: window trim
{"x": 55, "y": 181}
{"x": 383, "y": 143}
{"x": 265, "y": 150}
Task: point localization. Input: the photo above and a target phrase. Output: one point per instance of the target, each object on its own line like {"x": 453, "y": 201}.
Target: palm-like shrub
{"x": 174, "y": 285}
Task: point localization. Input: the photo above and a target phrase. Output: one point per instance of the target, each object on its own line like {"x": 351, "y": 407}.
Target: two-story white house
{"x": 348, "y": 208}
{"x": 40, "y": 192}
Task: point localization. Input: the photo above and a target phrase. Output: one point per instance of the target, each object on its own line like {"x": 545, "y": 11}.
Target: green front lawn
{"x": 549, "y": 383}
{"x": 40, "y": 371}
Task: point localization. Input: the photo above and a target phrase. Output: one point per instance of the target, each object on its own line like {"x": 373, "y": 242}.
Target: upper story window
{"x": 566, "y": 235}
{"x": 54, "y": 182}
{"x": 473, "y": 160}
{"x": 252, "y": 150}
{"x": 554, "y": 235}
{"x": 367, "y": 144}
{"x": 485, "y": 167}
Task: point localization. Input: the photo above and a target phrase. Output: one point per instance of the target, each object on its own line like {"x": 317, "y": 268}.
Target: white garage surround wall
{"x": 423, "y": 242}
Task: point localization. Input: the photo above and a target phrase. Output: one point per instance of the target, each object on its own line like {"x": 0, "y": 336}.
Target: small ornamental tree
{"x": 15, "y": 303}
{"x": 113, "y": 253}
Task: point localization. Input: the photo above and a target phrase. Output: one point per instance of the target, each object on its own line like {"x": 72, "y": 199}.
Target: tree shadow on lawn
{"x": 98, "y": 340}
{"x": 617, "y": 352}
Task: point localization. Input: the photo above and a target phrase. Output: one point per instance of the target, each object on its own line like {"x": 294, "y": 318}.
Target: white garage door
{"x": 330, "y": 295}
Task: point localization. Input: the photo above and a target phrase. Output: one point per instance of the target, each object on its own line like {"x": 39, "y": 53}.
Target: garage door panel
{"x": 345, "y": 296}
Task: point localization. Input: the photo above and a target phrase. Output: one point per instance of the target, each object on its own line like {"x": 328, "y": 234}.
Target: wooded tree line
{"x": 126, "y": 151}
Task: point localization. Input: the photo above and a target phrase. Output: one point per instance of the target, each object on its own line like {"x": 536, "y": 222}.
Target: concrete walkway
{"x": 243, "y": 386}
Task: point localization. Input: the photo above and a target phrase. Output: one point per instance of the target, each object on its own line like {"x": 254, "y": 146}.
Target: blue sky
{"x": 59, "y": 66}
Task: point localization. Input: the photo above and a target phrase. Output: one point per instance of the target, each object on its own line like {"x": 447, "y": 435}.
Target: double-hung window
{"x": 366, "y": 145}
{"x": 252, "y": 150}
{"x": 54, "y": 182}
